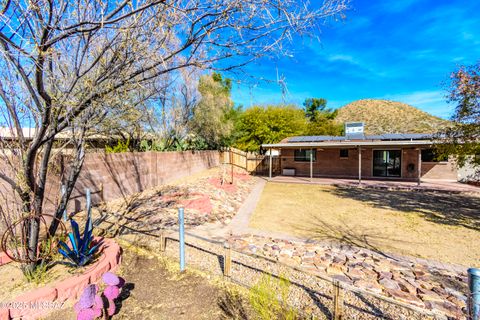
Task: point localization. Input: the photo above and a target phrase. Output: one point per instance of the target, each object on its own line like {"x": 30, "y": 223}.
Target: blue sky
{"x": 402, "y": 50}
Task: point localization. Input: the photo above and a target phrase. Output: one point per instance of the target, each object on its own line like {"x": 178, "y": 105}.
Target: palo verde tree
{"x": 66, "y": 65}
{"x": 462, "y": 139}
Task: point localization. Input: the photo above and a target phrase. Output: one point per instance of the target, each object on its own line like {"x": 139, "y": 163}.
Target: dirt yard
{"x": 438, "y": 226}
{"x": 155, "y": 289}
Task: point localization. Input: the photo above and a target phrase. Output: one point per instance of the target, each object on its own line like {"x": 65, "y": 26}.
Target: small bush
{"x": 38, "y": 275}
{"x": 121, "y": 146}
{"x": 268, "y": 298}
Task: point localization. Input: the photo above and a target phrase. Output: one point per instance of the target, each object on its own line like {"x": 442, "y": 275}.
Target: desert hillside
{"x": 384, "y": 116}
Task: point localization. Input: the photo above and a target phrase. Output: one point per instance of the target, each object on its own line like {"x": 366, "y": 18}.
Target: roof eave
{"x": 348, "y": 144}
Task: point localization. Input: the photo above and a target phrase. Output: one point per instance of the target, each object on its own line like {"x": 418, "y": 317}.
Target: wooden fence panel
{"x": 251, "y": 162}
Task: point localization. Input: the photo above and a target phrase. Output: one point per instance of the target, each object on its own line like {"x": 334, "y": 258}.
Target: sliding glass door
{"x": 387, "y": 163}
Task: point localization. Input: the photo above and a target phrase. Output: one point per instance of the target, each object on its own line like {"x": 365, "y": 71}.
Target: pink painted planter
{"x": 39, "y": 302}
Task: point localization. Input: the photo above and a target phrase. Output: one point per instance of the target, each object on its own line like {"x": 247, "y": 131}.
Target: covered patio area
{"x": 451, "y": 186}
{"x": 385, "y": 159}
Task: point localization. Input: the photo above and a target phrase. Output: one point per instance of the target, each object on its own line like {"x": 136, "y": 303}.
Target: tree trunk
{"x": 69, "y": 185}
{"x": 37, "y": 208}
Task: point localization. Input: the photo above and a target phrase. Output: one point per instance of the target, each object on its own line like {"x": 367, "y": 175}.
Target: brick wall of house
{"x": 439, "y": 170}
{"x": 410, "y": 163}
{"x": 330, "y": 164}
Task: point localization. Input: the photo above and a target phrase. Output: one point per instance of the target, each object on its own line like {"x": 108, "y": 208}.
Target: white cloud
{"x": 343, "y": 57}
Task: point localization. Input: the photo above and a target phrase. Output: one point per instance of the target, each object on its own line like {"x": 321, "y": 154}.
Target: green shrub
{"x": 38, "y": 275}
{"x": 121, "y": 146}
{"x": 268, "y": 298}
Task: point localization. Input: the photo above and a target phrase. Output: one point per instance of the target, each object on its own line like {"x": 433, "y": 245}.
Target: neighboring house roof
{"x": 8, "y": 133}
{"x": 391, "y": 139}
{"x": 28, "y": 133}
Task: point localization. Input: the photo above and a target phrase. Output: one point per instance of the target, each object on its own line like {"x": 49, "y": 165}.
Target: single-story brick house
{"x": 407, "y": 157}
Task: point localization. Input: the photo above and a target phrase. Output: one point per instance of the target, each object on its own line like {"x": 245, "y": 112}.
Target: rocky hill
{"x": 384, "y": 116}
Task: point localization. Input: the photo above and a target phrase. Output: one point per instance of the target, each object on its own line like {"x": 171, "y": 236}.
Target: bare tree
{"x": 66, "y": 65}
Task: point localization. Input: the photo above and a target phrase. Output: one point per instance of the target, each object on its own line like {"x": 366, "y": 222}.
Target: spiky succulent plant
{"x": 82, "y": 249}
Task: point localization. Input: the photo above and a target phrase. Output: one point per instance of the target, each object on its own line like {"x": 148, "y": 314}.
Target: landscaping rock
{"x": 406, "y": 281}
{"x": 389, "y": 284}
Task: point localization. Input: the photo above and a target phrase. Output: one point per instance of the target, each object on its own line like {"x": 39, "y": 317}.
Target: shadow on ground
{"x": 367, "y": 238}
{"x": 442, "y": 208}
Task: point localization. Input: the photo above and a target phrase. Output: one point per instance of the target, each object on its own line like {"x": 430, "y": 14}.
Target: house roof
{"x": 28, "y": 133}
{"x": 390, "y": 139}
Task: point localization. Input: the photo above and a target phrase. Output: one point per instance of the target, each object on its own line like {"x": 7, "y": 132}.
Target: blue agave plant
{"x": 81, "y": 251}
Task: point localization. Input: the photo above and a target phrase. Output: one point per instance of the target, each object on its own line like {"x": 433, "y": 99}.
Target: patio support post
{"x": 270, "y": 164}
{"x": 359, "y": 164}
{"x": 419, "y": 166}
{"x": 311, "y": 165}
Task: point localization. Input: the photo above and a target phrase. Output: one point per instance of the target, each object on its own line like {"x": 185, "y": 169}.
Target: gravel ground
{"x": 308, "y": 293}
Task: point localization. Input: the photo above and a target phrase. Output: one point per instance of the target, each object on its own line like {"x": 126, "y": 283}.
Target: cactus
{"x": 111, "y": 279}
{"x": 91, "y": 306}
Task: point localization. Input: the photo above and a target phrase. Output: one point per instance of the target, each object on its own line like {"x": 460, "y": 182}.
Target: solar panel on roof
{"x": 315, "y": 138}
{"x": 374, "y": 137}
{"x": 399, "y": 136}
{"x": 356, "y": 136}
{"x": 415, "y": 136}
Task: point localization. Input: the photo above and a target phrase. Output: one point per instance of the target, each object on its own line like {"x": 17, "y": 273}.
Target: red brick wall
{"x": 439, "y": 170}
{"x": 329, "y": 163}
{"x": 409, "y": 156}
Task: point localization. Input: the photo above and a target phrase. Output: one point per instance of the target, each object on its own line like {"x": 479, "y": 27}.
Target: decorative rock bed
{"x": 205, "y": 199}
{"x": 417, "y": 282}
{"x": 41, "y": 301}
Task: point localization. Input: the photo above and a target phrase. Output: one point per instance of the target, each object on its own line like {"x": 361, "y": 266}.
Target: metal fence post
{"x": 227, "y": 260}
{"x": 89, "y": 200}
{"x": 181, "y": 230}
{"x": 474, "y": 296}
{"x": 64, "y": 190}
{"x": 337, "y": 301}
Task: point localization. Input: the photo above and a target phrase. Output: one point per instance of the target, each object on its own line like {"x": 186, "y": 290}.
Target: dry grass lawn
{"x": 436, "y": 226}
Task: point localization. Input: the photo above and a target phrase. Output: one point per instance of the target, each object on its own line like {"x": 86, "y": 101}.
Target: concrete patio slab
{"x": 450, "y": 186}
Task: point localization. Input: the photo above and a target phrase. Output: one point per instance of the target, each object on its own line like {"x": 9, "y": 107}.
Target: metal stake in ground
{"x": 181, "y": 237}
{"x": 474, "y": 298}
{"x": 64, "y": 189}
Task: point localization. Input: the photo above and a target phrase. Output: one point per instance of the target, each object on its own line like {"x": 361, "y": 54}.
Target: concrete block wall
{"x": 117, "y": 175}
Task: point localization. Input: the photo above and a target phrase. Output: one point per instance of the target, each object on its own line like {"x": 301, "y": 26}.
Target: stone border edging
{"x": 39, "y": 302}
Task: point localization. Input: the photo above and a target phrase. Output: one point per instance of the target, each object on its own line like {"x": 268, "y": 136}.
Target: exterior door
{"x": 387, "y": 163}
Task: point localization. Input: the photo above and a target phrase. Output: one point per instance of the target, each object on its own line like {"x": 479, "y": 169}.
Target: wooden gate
{"x": 252, "y": 162}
